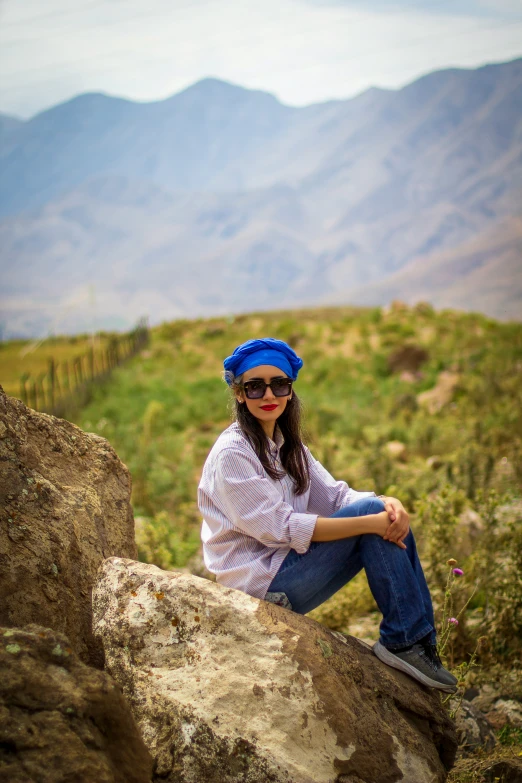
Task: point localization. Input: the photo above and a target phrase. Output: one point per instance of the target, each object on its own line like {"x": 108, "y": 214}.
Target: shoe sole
{"x": 386, "y": 656}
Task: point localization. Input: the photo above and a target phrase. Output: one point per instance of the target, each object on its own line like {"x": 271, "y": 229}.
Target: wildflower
{"x": 458, "y": 572}
{"x": 453, "y": 621}
{"x": 451, "y": 562}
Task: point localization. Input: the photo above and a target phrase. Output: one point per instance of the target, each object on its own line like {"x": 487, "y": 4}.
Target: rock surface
{"x": 506, "y": 712}
{"x": 396, "y": 450}
{"x": 60, "y": 720}
{"x": 442, "y": 393}
{"x": 64, "y": 507}
{"x": 501, "y": 702}
{"x": 504, "y": 771}
{"x": 408, "y": 358}
{"x": 228, "y": 688}
{"x": 473, "y": 729}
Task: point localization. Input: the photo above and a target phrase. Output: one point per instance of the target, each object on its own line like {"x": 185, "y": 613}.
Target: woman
{"x": 278, "y": 526}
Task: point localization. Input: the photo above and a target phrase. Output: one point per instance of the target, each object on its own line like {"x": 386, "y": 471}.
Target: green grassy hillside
{"x": 18, "y": 357}
{"x": 422, "y": 405}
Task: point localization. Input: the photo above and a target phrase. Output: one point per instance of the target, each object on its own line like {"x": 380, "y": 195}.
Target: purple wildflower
{"x": 453, "y": 621}
{"x": 458, "y": 572}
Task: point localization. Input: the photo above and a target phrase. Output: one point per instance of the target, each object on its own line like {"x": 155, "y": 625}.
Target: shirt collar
{"x": 275, "y": 445}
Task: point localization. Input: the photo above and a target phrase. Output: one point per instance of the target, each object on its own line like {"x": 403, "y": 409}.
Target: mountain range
{"x": 221, "y": 199}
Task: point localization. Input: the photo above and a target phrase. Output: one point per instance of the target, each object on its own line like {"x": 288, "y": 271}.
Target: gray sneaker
{"x": 422, "y": 663}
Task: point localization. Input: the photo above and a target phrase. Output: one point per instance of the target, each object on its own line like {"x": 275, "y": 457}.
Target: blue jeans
{"x": 395, "y": 577}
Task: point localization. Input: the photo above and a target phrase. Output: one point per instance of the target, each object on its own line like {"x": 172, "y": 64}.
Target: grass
{"x": 459, "y": 475}
{"x": 163, "y": 411}
{"x": 487, "y": 766}
{"x": 32, "y": 356}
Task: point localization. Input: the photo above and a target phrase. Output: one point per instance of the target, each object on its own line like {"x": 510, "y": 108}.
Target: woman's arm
{"x": 332, "y": 529}
{"x": 328, "y": 495}
{"x": 243, "y": 493}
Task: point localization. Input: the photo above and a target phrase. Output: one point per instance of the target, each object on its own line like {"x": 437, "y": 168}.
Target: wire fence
{"x": 68, "y": 385}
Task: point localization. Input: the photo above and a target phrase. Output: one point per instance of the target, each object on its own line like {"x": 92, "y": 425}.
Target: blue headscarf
{"x": 265, "y": 351}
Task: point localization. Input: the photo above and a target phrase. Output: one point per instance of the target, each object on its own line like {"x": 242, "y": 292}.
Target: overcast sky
{"x": 303, "y": 51}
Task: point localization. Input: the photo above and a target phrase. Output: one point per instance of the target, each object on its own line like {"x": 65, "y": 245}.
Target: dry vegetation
{"x": 453, "y": 456}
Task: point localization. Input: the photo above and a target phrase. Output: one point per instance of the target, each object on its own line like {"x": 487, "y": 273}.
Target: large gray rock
{"x": 227, "y": 688}
{"x": 506, "y": 712}
{"x": 501, "y": 702}
{"x": 60, "y": 720}
{"x": 64, "y": 507}
{"x": 473, "y": 729}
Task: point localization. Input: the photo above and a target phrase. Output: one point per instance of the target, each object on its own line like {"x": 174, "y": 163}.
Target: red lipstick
{"x": 268, "y": 407}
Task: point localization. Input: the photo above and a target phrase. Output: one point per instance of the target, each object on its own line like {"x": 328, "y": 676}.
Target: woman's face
{"x": 269, "y": 407}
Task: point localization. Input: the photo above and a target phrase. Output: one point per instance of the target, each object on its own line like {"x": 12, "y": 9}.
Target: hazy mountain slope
{"x": 8, "y": 123}
{"x": 8, "y": 127}
{"x": 483, "y": 274}
{"x": 184, "y": 142}
{"x": 143, "y": 247}
{"x": 221, "y": 199}
{"x": 453, "y": 138}
{"x": 351, "y": 157}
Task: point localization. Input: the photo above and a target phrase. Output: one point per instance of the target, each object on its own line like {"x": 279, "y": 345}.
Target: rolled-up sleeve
{"x": 326, "y": 494}
{"x": 252, "y": 504}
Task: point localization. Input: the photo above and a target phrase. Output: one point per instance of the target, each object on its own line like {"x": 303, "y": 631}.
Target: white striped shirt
{"x": 251, "y": 521}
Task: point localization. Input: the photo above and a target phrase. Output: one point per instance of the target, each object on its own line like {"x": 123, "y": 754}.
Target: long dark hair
{"x": 293, "y": 457}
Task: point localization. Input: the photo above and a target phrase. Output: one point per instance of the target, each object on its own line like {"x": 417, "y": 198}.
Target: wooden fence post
{"x": 76, "y": 373}
{"x": 42, "y": 401}
{"x": 66, "y": 379}
{"x": 46, "y": 392}
{"x": 57, "y": 380}
{"x": 24, "y": 393}
{"x": 51, "y": 381}
{"x": 34, "y": 395}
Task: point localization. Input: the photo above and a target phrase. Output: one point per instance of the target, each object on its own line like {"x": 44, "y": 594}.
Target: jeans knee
{"x": 362, "y": 507}
{"x": 373, "y": 506}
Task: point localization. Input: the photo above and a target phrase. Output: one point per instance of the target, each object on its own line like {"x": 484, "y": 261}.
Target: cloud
{"x": 471, "y": 8}
{"x": 301, "y": 50}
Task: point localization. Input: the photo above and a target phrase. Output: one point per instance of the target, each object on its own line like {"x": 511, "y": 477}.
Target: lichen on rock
{"x": 229, "y": 688}
{"x": 64, "y": 507}
{"x": 60, "y": 720}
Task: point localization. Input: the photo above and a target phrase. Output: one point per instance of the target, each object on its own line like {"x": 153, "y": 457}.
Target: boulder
{"x": 441, "y": 394}
{"x": 410, "y": 377}
{"x": 484, "y": 696}
{"x": 407, "y": 358}
{"x": 500, "y": 701}
{"x": 396, "y": 450}
{"x": 504, "y": 771}
{"x": 60, "y": 720}
{"x": 506, "y": 712}
{"x": 228, "y": 688}
{"x": 473, "y": 729}
{"x": 64, "y": 507}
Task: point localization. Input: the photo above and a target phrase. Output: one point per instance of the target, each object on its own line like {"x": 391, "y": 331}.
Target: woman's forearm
{"x": 332, "y": 529}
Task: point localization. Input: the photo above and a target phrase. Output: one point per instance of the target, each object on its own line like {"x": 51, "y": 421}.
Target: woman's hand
{"x": 399, "y": 521}
{"x": 382, "y": 527}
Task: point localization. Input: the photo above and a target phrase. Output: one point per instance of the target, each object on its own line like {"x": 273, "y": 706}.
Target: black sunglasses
{"x": 281, "y": 387}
